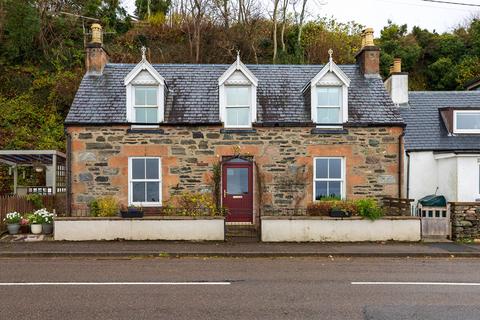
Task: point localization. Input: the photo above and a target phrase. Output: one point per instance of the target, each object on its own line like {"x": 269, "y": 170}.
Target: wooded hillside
{"x": 42, "y": 55}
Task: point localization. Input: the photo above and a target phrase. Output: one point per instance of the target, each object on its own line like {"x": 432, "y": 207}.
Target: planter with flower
{"x": 131, "y": 212}
{"x": 24, "y": 225}
{"x": 47, "y": 223}
{"x": 12, "y": 220}
{"x": 36, "y": 220}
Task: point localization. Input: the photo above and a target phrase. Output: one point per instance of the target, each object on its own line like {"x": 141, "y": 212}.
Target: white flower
{"x": 12, "y": 217}
{"x": 44, "y": 215}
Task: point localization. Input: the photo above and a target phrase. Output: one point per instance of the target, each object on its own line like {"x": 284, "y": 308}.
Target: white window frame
{"x": 340, "y": 107}
{"x": 225, "y": 106}
{"x": 456, "y": 130}
{"x": 342, "y": 180}
{"x": 131, "y": 181}
{"x": 157, "y": 105}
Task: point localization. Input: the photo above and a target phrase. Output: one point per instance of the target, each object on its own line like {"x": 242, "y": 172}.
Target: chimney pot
{"x": 397, "y": 65}
{"x": 96, "y": 33}
{"x": 368, "y": 32}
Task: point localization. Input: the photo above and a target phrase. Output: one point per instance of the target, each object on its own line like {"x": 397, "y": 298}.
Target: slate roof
{"x": 425, "y": 128}
{"x": 193, "y": 95}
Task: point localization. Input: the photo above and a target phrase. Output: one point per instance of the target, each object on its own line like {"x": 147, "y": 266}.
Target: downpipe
{"x": 400, "y": 162}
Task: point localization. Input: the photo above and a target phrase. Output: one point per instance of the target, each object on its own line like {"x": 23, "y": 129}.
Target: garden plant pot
{"x": 132, "y": 213}
{"x": 36, "y": 228}
{"x": 47, "y": 228}
{"x": 24, "y": 229}
{"x": 13, "y": 228}
{"x": 339, "y": 213}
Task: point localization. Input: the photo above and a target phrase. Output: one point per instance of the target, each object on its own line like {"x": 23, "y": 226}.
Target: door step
{"x": 435, "y": 239}
{"x": 241, "y": 232}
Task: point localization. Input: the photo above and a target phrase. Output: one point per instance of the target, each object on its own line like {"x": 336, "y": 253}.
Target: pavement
{"x": 234, "y": 249}
{"x": 240, "y": 288}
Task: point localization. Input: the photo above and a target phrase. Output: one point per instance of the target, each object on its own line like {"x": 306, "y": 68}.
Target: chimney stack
{"x": 397, "y": 83}
{"x": 96, "y": 57}
{"x": 369, "y": 56}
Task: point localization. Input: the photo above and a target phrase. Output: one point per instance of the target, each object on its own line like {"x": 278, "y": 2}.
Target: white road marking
{"x": 417, "y": 283}
{"x": 193, "y": 283}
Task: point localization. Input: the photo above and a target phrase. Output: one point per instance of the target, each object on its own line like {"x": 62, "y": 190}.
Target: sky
{"x": 376, "y": 13}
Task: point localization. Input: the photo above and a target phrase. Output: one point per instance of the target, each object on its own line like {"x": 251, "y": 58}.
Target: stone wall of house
{"x": 283, "y": 157}
{"x": 465, "y": 218}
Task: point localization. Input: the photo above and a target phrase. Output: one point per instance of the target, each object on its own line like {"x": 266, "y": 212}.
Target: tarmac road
{"x": 241, "y": 288}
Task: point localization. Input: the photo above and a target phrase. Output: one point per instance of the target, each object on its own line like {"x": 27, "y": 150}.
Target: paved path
{"x": 235, "y": 249}
{"x": 240, "y": 288}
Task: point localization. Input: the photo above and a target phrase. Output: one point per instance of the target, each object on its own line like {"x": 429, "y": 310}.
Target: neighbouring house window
{"x": 145, "y": 184}
{"x": 328, "y": 180}
{"x": 467, "y": 121}
{"x": 146, "y": 104}
{"x": 238, "y": 106}
{"x": 329, "y": 105}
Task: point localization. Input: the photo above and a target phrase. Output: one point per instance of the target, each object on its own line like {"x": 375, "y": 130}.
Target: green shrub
{"x": 36, "y": 200}
{"x": 104, "y": 207}
{"x": 323, "y": 207}
{"x": 93, "y": 206}
{"x": 191, "y": 204}
{"x": 369, "y": 208}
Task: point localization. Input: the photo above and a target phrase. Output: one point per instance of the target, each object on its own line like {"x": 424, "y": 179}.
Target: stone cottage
{"x": 281, "y": 136}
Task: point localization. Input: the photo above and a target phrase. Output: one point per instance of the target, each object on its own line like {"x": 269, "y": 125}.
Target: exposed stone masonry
{"x": 283, "y": 160}
{"x": 465, "y": 220}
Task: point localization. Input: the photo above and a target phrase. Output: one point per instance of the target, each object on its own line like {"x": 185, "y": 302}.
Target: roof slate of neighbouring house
{"x": 192, "y": 95}
{"x": 425, "y": 129}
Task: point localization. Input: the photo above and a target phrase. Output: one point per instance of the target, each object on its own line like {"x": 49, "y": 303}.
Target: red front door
{"x": 237, "y": 190}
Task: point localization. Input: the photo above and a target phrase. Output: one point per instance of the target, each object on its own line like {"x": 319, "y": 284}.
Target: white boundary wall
{"x": 323, "y": 229}
{"x": 77, "y": 229}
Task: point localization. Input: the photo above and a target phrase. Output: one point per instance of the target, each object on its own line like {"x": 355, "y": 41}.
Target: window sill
{"x": 466, "y": 132}
{"x": 145, "y": 204}
{"x": 238, "y": 130}
{"x": 320, "y": 130}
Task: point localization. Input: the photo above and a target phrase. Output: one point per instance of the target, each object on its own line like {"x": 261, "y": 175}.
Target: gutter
{"x": 257, "y": 124}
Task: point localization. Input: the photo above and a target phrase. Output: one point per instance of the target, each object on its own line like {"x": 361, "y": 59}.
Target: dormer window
{"x": 466, "y": 121}
{"x": 145, "y": 93}
{"x": 238, "y": 106}
{"x": 329, "y": 107}
{"x": 329, "y": 95}
{"x": 238, "y": 96}
{"x": 146, "y": 104}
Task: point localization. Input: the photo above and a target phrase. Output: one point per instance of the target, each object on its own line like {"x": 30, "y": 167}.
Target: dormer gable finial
{"x": 238, "y": 58}
{"x": 330, "y": 59}
{"x": 144, "y": 50}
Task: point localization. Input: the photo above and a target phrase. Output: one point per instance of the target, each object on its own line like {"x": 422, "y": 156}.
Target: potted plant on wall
{"x": 24, "y": 225}
{"x": 36, "y": 220}
{"x": 12, "y": 220}
{"x": 131, "y": 212}
{"x": 47, "y": 223}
